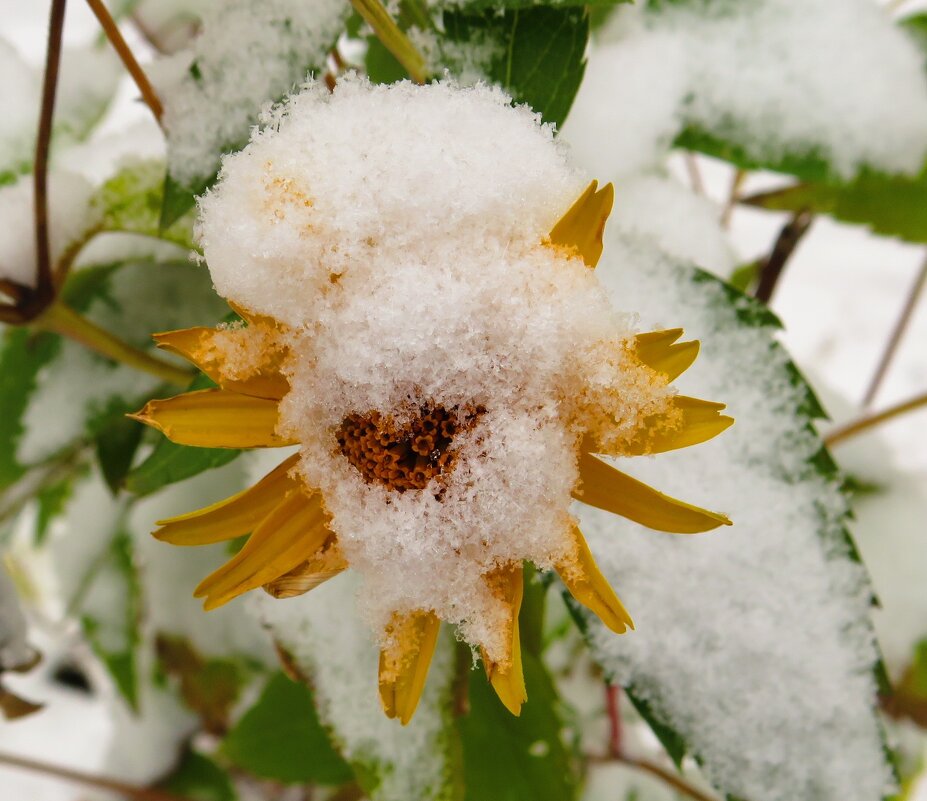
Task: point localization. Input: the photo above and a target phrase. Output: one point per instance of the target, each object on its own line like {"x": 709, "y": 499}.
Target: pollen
{"x": 409, "y": 455}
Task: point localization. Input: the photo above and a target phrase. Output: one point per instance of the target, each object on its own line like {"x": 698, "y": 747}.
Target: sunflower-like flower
{"x": 414, "y": 270}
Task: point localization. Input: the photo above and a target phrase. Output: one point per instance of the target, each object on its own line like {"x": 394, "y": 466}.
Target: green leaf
{"x": 116, "y": 443}
{"x": 178, "y": 200}
{"x": 281, "y": 738}
{"x": 889, "y": 205}
{"x": 134, "y": 201}
{"x": 537, "y": 53}
{"x": 508, "y": 758}
{"x": 51, "y": 502}
{"x": 113, "y": 629}
{"x": 198, "y": 778}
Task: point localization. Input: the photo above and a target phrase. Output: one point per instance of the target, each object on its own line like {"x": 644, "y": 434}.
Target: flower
{"x": 422, "y": 319}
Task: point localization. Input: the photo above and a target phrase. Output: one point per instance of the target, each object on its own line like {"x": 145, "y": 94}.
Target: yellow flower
{"x": 294, "y": 543}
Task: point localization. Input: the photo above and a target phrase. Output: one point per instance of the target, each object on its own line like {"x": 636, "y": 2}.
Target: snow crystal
{"x": 410, "y": 276}
{"x": 815, "y": 78}
{"x": 336, "y": 652}
{"x": 213, "y": 93}
{"x": 753, "y": 642}
{"x": 70, "y": 217}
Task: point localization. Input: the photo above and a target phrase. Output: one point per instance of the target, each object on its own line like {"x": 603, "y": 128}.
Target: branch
{"x": 897, "y": 334}
{"x": 612, "y": 695}
{"x": 111, "y": 29}
{"x": 99, "y": 782}
{"x": 771, "y": 270}
{"x": 676, "y": 782}
{"x": 45, "y": 291}
{"x": 868, "y": 421}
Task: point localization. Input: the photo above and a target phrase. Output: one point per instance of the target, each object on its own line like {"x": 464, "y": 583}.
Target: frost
{"x": 213, "y": 93}
{"x": 70, "y": 218}
{"x": 753, "y": 643}
{"x": 19, "y": 92}
{"x": 407, "y": 296}
{"x": 334, "y": 649}
{"x": 780, "y": 78}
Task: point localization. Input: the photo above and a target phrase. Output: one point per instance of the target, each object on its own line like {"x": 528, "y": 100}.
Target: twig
{"x": 897, "y": 334}
{"x": 393, "y": 39}
{"x": 868, "y": 421}
{"x": 789, "y": 237}
{"x": 63, "y": 320}
{"x": 677, "y": 783}
{"x": 732, "y": 197}
{"x": 695, "y": 175}
{"x": 44, "y": 291}
{"x": 111, "y": 29}
{"x": 612, "y": 695}
{"x": 88, "y": 779}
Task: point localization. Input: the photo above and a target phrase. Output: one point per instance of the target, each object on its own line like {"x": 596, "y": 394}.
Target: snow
{"x": 769, "y": 675}
{"x": 212, "y": 93}
{"x": 401, "y": 293}
{"x": 70, "y": 218}
{"x": 334, "y": 648}
{"x": 15, "y": 650}
{"x": 779, "y": 78}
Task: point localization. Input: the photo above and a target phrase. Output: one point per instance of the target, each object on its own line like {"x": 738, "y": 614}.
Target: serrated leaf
{"x": 280, "y": 738}
{"x": 199, "y": 778}
{"x": 51, "y": 501}
{"x": 116, "y": 444}
{"x": 745, "y": 638}
{"x": 889, "y": 205}
{"x": 508, "y": 758}
{"x": 537, "y": 53}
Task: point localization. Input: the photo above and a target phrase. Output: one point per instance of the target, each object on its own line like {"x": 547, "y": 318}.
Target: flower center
{"x": 408, "y": 456}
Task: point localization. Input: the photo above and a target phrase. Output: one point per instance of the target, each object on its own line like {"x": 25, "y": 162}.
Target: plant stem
{"x": 732, "y": 197}
{"x": 695, "y": 175}
{"x": 612, "y": 695}
{"x": 44, "y": 291}
{"x": 65, "y": 321}
{"x": 393, "y": 39}
{"x": 771, "y": 271}
{"x": 897, "y": 334}
{"x": 868, "y": 421}
{"x": 111, "y": 29}
{"x": 667, "y": 776}
{"x": 99, "y": 782}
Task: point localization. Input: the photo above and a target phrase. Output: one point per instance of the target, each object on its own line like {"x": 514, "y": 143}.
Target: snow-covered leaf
{"x": 727, "y": 660}
{"x": 280, "y": 737}
{"x": 509, "y": 759}
{"x": 331, "y": 646}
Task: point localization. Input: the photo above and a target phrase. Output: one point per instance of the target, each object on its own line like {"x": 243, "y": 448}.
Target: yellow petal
{"x": 580, "y": 230}
{"x": 688, "y": 421}
{"x": 657, "y": 350}
{"x": 196, "y": 345}
{"x": 234, "y": 516}
{"x": 586, "y": 584}
{"x": 404, "y": 662}
{"x": 326, "y": 564}
{"x": 293, "y": 532}
{"x": 506, "y": 675}
{"x": 215, "y": 418}
{"x": 606, "y": 488}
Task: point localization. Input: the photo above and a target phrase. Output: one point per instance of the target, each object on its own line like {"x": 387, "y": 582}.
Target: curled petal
{"x": 586, "y": 584}
{"x": 326, "y": 564}
{"x": 606, "y": 488}
{"x": 404, "y": 662}
{"x": 292, "y": 533}
{"x": 234, "y": 516}
{"x": 580, "y": 230}
{"x": 215, "y": 418}
{"x": 198, "y": 346}
{"x": 657, "y": 350}
{"x": 506, "y": 675}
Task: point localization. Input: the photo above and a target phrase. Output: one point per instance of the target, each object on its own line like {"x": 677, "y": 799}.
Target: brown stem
{"x": 771, "y": 270}
{"x": 111, "y": 29}
{"x": 732, "y": 197}
{"x": 89, "y": 780}
{"x": 868, "y": 421}
{"x": 612, "y": 696}
{"x": 667, "y": 776}
{"x": 898, "y": 332}
{"x": 695, "y": 175}
{"x": 44, "y": 290}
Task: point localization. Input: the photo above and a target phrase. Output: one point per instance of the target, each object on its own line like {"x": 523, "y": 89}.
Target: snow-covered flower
{"x": 422, "y": 318}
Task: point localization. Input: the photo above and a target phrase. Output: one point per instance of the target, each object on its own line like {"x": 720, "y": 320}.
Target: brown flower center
{"x": 408, "y": 456}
